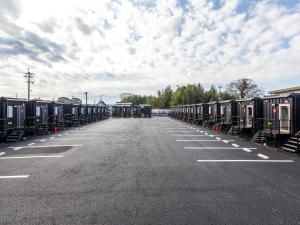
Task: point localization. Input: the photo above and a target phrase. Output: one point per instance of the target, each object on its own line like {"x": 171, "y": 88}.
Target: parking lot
{"x": 147, "y": 171}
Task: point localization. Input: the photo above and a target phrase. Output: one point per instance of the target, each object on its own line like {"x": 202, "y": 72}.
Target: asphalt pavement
{"x": 147, "y": 172}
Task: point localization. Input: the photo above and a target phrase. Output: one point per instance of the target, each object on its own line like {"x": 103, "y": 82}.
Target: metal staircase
{"x": 15, "y": 135}
{"x": 292, "y": 144}
{"x": 42, "y": 129}
{"x": 260, "y": 137}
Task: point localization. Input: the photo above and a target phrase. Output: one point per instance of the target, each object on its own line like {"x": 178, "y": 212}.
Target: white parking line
{"x": 44, "y": 146}
{"x": 235, "y": 145}
{"x": 77, "y": 134}
{"x": 218, "y": 138}
{"x": 31, "y": 144}
{"x": 188, "y": 135}
{"x": 246, "y": 160}
{"x": 225, "y": 141}
{"x": 14, "y": 177}
{"x": 188, "y": 131}
{"x": 2, "y": 153}
{"x": 263, "y": 156}
{"x": 32, "y": 157}
{"x": 246, "y": 150}
{"x": 216, "y": 148}
{"x": 43, "y": 140}
{"x": 72, "y": 139}
{"x": 210, "y": 140}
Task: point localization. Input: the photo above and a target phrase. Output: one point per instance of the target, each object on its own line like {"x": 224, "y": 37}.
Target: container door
{"x": 249, "y": 115}
{"x": 284, "y": 118}
{"x": 20, "y": 116}
{"x": 44, "y": 114}
{"x": 60, "y": 114}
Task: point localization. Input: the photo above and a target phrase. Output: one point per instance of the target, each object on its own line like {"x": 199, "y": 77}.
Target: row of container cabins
{"x": 127, "y": 110}
{"x": 19, "y": 117}
{"x": 273, "y": 119}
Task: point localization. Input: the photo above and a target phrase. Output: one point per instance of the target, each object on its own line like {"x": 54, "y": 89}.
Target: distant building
{"x": 285, "y": 91}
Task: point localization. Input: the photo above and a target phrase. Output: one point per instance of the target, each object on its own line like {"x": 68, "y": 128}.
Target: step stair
{"x": 260, "y": 137}
{"x": 291, "y": 145}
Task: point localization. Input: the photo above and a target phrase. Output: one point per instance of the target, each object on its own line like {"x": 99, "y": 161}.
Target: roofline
{"x": 290, "y": 89}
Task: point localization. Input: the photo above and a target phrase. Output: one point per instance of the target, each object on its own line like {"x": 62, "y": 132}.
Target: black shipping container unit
{"x": 37, "y": 117}
{"x": 116, "y": 111}
{"x": 12, "y": 119}
{"x": 56, "y": 116}
{"x": 126, "y": 111}
{"x": 95, "y": 113}
{"x": 281, "y": 120}
{"x": 190, "y": 118}
{"x": 137, "y": 111}
{"x": 90, "y": 117}
{"x": 213, "y": 114}
{"x": 228, "y": 113}
{"x": 281, "y": 114}
{"x": 202, "y": 113}
{"x": 71, "y": 115}
{"x": 83, "y": 114}
{"x": 248, "y": 112}
{"x": 146, "y": 111}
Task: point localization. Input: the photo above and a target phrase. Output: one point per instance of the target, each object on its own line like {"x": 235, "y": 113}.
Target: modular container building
{"x": 90, "y": 113}
{"x": 126, "y": 111}
{"x": 83, "y": 114}
{"x": 37, "y": 117}
{"x": 12, "y": 119}
{"x": 146, "y": 111}
{"x": 228, "y": 113}
{"x": 137, "y": 111}
{"x": 202, "y": 113}
{"x": 248, "y": 112}
{"x": 281, "y": 114}
{"x": 56, "y": 116}
{"x": 213, "y": 113}
{"x": 190, "y": 116}
{"x": 116, "y": 111}
{"x": 96, "y": 114}
{"x": 71, "y": 115}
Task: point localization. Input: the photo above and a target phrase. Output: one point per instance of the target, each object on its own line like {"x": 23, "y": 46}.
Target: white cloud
{"x": 141, "y": 46}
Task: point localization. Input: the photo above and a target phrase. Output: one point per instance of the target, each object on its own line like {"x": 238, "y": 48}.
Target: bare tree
{"x": 244, "y": 88}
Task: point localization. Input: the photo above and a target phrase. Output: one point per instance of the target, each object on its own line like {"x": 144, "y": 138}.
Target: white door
{"x": 249, "y": 115}
{"x": 284, "y": 118}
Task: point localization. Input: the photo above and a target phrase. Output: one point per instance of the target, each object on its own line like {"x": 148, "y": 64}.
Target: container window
{"x": 9, "y": 111}
{"x": 38, "y": 111}
{"x": 55, "y": 111}
{"x": 89, "y": 110}
{"x": 222, "y": 110}
{"x": 82, "y": 110}
{"x": 73, "y": 111}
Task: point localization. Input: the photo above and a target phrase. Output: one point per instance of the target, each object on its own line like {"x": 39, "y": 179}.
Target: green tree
{"x": 244, "y": 88}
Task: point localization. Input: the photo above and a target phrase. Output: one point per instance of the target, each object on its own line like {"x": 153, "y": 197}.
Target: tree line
{"x": 196, "y": 93}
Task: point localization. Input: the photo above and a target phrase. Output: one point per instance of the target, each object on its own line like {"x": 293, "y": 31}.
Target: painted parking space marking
{"x": 215, "y": 148}
{"x": 263, "y": 156}
{"x": 209, "y": 140}
{"x": 2, "y": 153}
{"x": 188, "y": 135}
{"x": 247, "y": 150}
{"x": 73, "y": 139}
{"x": 235, "y": 145}
{"x": 225, "y": 141}
{"x": 245, "y": 160}
{"x": 188, "y": 131}
{"x": 31, "y": 144}
{"x": 14, "y": 177}
{"x": 43, "y": 146}
{"x": 218, "y": 138}
{"x": 32, "y": 157}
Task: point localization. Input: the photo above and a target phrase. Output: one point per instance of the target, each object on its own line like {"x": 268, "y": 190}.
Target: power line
{"x": 29, "y": 76}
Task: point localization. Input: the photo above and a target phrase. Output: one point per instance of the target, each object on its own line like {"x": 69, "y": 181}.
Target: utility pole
{"x": 29, "y": 76}
{"x": 86, "y": 97}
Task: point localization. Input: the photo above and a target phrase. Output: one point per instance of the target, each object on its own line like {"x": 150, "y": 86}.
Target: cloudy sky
{"x": 139, "y": 46}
